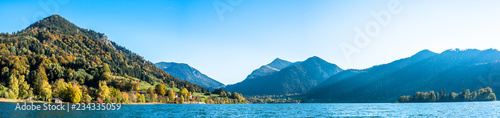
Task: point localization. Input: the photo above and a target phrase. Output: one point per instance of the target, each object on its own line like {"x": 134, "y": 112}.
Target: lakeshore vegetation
{"x": 483, "y": 94}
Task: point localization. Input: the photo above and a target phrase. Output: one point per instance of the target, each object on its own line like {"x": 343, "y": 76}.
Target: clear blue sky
{"x": 228, "y": 47}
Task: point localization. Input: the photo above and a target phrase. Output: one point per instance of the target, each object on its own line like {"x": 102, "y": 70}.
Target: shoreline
{"x": 5, "y": 100}
{"x": 20, "y": 101}
{"x": 162, "y": 103}
{"x": 142, "y": 103}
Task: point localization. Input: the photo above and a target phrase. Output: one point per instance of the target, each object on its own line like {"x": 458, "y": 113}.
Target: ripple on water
{"x": 278, "y": 110}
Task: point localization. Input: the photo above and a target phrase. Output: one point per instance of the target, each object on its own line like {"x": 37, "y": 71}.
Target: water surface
{"x": 455, "y": 109}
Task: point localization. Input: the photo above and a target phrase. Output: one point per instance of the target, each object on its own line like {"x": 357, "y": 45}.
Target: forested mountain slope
{"x": 54, "y": 48}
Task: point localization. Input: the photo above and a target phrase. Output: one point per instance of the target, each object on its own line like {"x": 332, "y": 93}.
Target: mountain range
{"x": 190, "y": 74}
{"x": 282, "y": 77}
{"x": 54, "y": 48}
{"x": 451, "y": 70}
{"x": 320, "y": 81}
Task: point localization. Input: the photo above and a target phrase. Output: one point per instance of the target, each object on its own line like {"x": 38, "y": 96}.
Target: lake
{"x": 454, "y": 109}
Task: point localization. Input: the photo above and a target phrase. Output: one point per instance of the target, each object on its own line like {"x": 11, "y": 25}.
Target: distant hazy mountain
{"x": 293, "y": 78}
{"x": 425, "y": 71}
{"x": 270, "y": 68}
{"x": 188, "y": 73}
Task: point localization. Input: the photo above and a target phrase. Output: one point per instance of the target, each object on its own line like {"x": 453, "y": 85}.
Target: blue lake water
{"x": 458, "y": 109}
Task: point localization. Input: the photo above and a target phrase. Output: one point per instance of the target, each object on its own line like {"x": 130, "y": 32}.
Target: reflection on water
{"x": 277, "y": 110}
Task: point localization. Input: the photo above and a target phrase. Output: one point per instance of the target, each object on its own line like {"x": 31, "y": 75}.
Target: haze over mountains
{"x": 62, "y": 50}
{"x": 317, "y": 79}
{"x": 314, "y": 78}
{"x": 452, "y": 70}
{"x": 321, "y": 81}
{"x": 270, "y": 68}
{"x": 188, "y": 73}
{"x": 283, "y": 77}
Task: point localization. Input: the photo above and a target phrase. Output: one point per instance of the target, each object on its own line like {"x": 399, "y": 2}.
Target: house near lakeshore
{"x": 56, "y": 100}
{"x": 195, "y": 97}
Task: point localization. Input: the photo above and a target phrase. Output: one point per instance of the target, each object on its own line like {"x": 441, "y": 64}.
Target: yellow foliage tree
{"x": 103, "y": 91}
{"x": 208, "y": 101}
{"x": 74, "y": 93}
{"x": 138, "y": 96}
{"x": 171, "y": 94}
{"x": 14, "y": 86}
{"x": 58, "y": 88}
{"x": 125, "y": 97}
{"x": 87, "y": 98}
{"x": 160, "y": 89}
{"x": 23, "y": 87}
{"x": 181, "y": 100}
{"x": 184, "y": 92}
{"x": 46, "y": 92}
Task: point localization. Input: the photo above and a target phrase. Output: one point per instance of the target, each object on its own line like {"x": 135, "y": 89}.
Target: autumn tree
{"x": 10, "y": 94}
{"x": 14, "y": 86}
{"x": 116, "y": 94}
{"x": 119, "y": 96}
{"x": 181, "y": 100}
{"x": 103, "y": 91}
{"x": 87, "y": 98}
{"x": 30, "y": 92}
{"x": 40, "y": 78}
{"x": 24, "y": 87}
{"x": 223, "y": 94}
{"x": 154, "y": 97}
{"x": 184, "y": 92}
{"x": 46, "y": 92}
{"x": 59, "y": 88}
{"x": 106, "y": 68}
{"x": 73, "y": 93}
{"x": 143, "y": 99}
{"x": 160, "y": 89}
{"x": 125, "y": 97}
{"x": 150, "y": 91}
{"x": 138, "y": 96}
{"x": 171, "y": 94}
{"x": 208, "y": 101}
